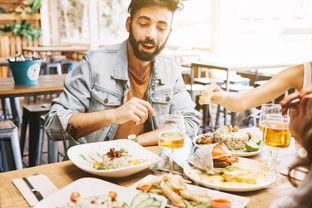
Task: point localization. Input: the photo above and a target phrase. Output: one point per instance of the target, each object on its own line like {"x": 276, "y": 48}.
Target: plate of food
{"x": 115, "y": 159}
{"x": 93, "y": 192}
{"x": 241, "y": 142}
{"x": 214, "y": 166}
{"x": 182, "y": 194}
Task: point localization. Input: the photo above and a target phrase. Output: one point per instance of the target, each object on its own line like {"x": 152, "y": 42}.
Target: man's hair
{"x": 172, "y": 5}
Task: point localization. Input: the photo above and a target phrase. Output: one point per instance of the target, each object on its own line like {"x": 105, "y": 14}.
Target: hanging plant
{"x": 2, "y": 10}
{"x": 28, "y": 7}
{"x": 35, "y": 5}
{"x": 23, "y": 29}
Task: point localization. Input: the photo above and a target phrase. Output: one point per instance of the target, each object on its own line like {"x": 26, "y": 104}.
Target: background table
{"x": 47, "y": 84}
{"x": 46, "y": 49}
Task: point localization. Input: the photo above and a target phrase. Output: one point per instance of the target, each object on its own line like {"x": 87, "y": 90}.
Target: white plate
{"x": 264, "y": 176}
{"x": 236, "y": 201}
{"x": 91, "y": 187}
{"x": 133, "y": 148}
{"x": 247, "y": 154}
{"x": 256, "y": 132}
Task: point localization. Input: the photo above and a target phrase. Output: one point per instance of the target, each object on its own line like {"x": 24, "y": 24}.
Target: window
{"x": 192, "y": 26}
{"x": 271, "y": 29}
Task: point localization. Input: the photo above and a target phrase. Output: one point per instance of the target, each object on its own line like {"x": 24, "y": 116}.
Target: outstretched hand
{"x": 210, "y": 94}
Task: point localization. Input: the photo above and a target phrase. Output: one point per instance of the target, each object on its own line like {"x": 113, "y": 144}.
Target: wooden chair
{"x": 198, "y": 71}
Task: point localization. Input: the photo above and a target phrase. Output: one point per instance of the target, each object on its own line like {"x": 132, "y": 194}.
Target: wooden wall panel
{"x": 11, "y": 45}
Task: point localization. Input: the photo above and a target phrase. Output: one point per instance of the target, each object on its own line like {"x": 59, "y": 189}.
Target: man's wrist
{"x": 109, "y": 117}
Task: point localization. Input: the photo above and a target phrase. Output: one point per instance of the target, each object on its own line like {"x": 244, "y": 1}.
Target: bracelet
{"x": 133, "y": 137}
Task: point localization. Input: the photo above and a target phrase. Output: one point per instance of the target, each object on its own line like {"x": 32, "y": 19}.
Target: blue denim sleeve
{"x": 74, "y": 98}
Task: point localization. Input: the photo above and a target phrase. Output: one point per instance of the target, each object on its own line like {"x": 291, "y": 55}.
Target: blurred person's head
{"x": 149, "y": 26}
{"x": 305, "y": 140}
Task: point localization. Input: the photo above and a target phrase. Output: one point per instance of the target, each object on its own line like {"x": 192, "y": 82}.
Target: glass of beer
{"x": 268, "y": 109}
{"x": 276, "y": 134}
{"x": 172, "y": 133}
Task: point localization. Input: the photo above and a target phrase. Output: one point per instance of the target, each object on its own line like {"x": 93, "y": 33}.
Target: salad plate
{"x": 115, "y": 159}
{"x": 251, "y": 148}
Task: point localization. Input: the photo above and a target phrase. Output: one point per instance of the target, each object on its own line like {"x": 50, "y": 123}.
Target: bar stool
{"x": 31, "y": 116}
{"x": 57, "y": 66}
{"x": 9, "y": 130}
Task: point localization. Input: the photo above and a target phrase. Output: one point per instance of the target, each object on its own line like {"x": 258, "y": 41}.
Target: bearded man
{"x": 116, "y": 91}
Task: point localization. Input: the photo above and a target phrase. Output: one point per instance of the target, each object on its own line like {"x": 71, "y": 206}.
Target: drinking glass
{"x": 276, "y": 134}
{"x": 172, "y": 134}
{"x": 267, "y": 109}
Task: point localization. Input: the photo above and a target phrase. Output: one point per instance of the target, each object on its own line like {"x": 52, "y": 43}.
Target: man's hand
{"x": 135, "y": 109}
{"x": 300, "y": 112}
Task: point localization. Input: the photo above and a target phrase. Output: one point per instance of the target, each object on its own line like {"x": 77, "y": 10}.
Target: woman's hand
{"x": 300, "y": 106}
{"x": 211, "y": 94}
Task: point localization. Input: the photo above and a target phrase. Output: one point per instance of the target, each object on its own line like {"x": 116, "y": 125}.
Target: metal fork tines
{"x": 32, "y": 189}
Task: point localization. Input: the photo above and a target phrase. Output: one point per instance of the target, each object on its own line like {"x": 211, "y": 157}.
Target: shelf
{"x": 15, "y": 16}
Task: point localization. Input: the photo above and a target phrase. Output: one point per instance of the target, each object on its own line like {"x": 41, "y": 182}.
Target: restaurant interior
{"x": 239, "y": 61}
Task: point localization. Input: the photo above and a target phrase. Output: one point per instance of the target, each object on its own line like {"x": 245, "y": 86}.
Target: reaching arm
{"x": 289, "y": 78}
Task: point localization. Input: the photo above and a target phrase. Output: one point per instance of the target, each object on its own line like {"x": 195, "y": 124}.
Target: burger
{"x": 212, "y": 157}
{"x": 222, "y": 157}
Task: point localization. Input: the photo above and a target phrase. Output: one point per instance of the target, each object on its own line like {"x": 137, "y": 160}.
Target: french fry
{"x": 187, "y": 194}
{"x": 175, "y": 198}
{"x": 147, "y": 186}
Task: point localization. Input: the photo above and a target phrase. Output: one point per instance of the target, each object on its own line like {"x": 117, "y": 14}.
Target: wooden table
{"x": 4, "y": 62}
{"x": 48, "y": 52}
{"x": 47, "y": 84}
{"x": 45, "y": 49}
{"x": 63, "y": 173}
{"x": 253, "y": 72}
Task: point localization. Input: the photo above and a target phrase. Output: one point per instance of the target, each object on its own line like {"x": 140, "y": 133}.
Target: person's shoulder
{"x": 111, "y": 49}
{"x": 166, "y": 57}
{"x": 167, "y": 60}
{"x": 168, "y": 67}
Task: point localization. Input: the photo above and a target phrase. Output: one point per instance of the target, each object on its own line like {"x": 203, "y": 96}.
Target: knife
{"x": 32, "y": 189}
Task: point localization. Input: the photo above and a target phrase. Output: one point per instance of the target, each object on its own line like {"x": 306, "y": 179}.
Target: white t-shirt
{"x": 307, "y": 82}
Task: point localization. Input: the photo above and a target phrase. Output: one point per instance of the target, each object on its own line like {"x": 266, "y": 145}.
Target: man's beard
{"x": 144, "y": 56}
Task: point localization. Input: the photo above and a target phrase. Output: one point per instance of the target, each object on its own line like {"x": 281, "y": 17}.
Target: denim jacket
{"x": 100, "y": 82}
